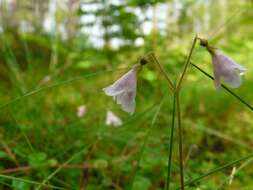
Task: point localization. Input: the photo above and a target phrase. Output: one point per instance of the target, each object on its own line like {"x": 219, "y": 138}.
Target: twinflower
{"x": 226, "y": 69}
{"x": 123, "y": 90}
{"x": 112, "y": 119}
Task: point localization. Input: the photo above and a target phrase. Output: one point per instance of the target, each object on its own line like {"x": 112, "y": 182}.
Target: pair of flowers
{"x": 225, "y": 69}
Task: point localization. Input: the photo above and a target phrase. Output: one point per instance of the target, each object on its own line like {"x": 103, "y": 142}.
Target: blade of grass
{"x": 237, "y": 12}
{"x": 223, "y": 86}
{"x": 29, "y": 181}
{"x": 59, "y": 168}
{"x": 218, "y": 169}
{"x": 56, "y": 85}
{"x": 243, "y": 165}
{"x": 12, "y": 64}
{"x": 171, "y": 142}
{"x": 22, "y": 131}
{"x": 145, "y": 142}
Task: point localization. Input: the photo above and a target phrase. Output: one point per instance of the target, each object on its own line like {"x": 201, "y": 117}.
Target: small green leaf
{"x": 141, "y": 183}
{"x": 3, "y": 155}
{"x": 37, "y": 159}
{"x": 20, "y": 185}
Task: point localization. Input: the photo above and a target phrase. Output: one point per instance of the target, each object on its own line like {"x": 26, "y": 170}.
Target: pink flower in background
{"x": 112, "y": 119}
{"x": 123, "y": 90}
{"x": 81, "y": 111}
{"x": 226, "y": 69}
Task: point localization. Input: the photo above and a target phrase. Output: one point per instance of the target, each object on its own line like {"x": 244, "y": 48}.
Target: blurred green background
{"x": 57, "y": 55}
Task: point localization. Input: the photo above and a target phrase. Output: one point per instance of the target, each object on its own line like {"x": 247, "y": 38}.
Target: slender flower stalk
{"x": 171, "y": 142}
{"x": 177, "y": 94}
{"x": 187, "y": 63}
{"x": 180, "y": 143}
{"x": 171, "y": 86}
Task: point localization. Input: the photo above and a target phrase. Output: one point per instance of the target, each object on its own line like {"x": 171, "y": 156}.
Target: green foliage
{"x": 45, "y": 77}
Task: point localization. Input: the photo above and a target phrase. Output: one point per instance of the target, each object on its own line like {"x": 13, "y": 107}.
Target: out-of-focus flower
{"x": 81, "y": 111}
{"x": 226, "y": 69}
{"x": 112, "y": 119}
{"x": 123, "y": 90}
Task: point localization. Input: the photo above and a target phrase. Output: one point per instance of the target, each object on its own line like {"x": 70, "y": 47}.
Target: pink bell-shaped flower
{"x": 123, "y": 90}
{"x": 226, "y": 70}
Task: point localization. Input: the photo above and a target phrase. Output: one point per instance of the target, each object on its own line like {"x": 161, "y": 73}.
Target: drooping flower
{"x": 123, "y": 90}
{"x": 226, "y": 69}
{"x": 81, "y": 110}
{"x": 112, "y": 119}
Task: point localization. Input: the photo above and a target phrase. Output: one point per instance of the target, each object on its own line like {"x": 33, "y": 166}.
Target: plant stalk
{"x": 171, "y": 86}
{"x": 180, "y": 143}
{"x": 171, "y": 142}
{"x": 177, "y": 93}
{"x": 187, "y": 63}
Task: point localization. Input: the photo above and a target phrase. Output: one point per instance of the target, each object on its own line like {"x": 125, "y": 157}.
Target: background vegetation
{"x": 58, "y": 54}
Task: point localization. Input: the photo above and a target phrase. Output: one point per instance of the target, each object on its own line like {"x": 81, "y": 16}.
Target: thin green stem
{"x": 145, "y": 142}
{"x": 59, "y": 168}
{"x": 180, "y": 144}
{"x": 22, "y": 131}
{"x": 218, "y": 169}
{"x": 187, "y": 63}
{"x": 171, "y": 86}
{"x": 14, "y": 100}
{"x": 171, "y": 142}
{"x": 223, "y": 86}
{"x": 217, "y": 29}
{"x": 177, "y": 93}
{"x": 29, "y": 181}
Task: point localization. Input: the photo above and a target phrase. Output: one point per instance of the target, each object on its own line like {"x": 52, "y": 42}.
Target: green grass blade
{"x": 145, "y": 141}
{"x": 56, "y": 85}
{"x": 29, "y": 181}
{"x": 226, "y": 88}
{"x": 59, "y": 168}
{"x": 217, "y": 170}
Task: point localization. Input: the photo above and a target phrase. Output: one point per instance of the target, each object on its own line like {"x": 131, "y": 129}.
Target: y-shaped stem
{"x": 177, "y": 93}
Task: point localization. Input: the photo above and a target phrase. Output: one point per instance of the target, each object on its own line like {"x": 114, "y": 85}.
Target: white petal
{"x": 124, "y": 90}
{"x": 127, "y": 100}
{"x": 126, "y": 82}
{"x": 81, "y": 111}
{"x": 112, "y": 119}
{"x": 217, "y": 74}
{"x": 227, "y": 70}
